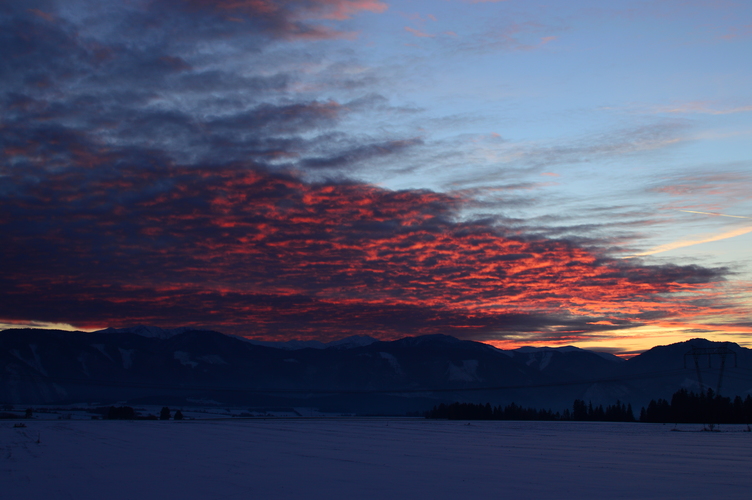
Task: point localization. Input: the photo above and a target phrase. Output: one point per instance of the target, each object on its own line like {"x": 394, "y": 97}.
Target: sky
{"x": 514, "y": 172}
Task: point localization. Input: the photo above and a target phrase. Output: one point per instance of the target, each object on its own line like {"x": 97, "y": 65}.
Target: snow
{"x": 392, "y": 362}
{"x": 464, "y": 373}
{"x": 82, "y": 359}
{"x": 101, "y": 348}
{"x": 127, "y": 355}
{"x": 213, "y": 359}
{"x": 35, "y": 363}
{"x": 542, "y": 362}
{"x": 148, "y": 331}
{"x": 567, "y": 348}
{"x": 294, "y": 345}
{"x": 352, "y": 341}
{"x": 369, "y": 458}
{"x": 545, "y": 361}
{"x": 185, "y": 359}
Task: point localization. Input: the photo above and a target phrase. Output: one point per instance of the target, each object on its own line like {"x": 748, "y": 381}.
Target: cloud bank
{"x": 167, "y": 162}
{"x": 262, "y": 253}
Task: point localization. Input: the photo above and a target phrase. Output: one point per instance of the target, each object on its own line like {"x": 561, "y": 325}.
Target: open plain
{"x": 370, "y": 458}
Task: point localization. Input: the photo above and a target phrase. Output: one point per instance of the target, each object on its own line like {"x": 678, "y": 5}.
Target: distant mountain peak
{"x": 352, "y": 341}
{"x": 294, "y": 345}
{"x": 433, "y": 338}
{"x": 154, "y": 332}
{"x": 565, "y": 349}
{"x": 696, "y": 342}
{"x": 529, "y": 348}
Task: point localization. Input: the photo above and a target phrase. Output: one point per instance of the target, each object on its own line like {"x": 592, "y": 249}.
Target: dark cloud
{"x": 162, "y": 76}
{"x": 354, "y": 155}
{"x": 291, "y": 19}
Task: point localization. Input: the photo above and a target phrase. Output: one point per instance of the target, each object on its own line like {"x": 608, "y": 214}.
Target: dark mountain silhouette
{"x": 165, "y": 333}
{"x": 174, "y": 367}
{"x": 662, "y": 370}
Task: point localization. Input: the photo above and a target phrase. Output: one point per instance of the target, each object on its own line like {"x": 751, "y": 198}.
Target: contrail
{"x": 714, "y": 213}
{"x": 700, "y": 238}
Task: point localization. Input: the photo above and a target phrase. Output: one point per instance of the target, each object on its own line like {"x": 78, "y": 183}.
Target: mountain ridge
{"x": 409, "y": 374}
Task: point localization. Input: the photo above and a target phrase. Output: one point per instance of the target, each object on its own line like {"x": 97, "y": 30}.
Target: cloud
{"x": 75, "y": 87}
{"x": 697, "y": 240}
{"x": 288, "y": 19}
{"x": 250, "y": 251}
{"x": 701, "y": 107}
{"x": 523, "y": 158}
{"x": 44, "y": 15}
{"x": 347, "y": 158}
{"x": 37, "y": 324}
{"x": 418, "y": 33}
{"x": 736, "y": 32}
{"x": 716, "y": 214}
{"x": 714, "y": 192}
{"x": 504, "y": 35}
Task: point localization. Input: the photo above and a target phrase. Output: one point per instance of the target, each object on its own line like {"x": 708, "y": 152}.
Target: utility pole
{"x": 723, "y": 352}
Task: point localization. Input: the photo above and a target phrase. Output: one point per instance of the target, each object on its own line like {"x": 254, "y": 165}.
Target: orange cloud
{"x": 44, "y": 15}
{"x": 292, "y": 19}
{"x": 702, "y": 107}
{"x": 697, "y": 240}
{"x": 247, "y": 250}
{"x": 418, "y": 33}
{"x": 345, "y": 9}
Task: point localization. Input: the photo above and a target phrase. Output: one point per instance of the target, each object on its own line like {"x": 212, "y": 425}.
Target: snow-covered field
{"x": 369, "y": 458}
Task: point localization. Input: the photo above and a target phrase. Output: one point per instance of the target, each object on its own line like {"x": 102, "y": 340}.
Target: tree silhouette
{"x": 618, "y": 412}
{"x": 121, "y": 413}
{"x": 579, "y": 410}
{"x": 703, "y": 408}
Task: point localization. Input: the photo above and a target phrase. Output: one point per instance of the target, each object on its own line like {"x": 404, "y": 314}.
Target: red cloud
{"x": 321, "y": 9}
{"x": 44, "y": 15}
{"x": 291, "y": 18}
{"x": 418, "y": 33}
{"x": 265, "y": 254}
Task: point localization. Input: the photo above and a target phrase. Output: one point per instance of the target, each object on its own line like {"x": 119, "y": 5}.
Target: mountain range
{"x": 358, "y": 375}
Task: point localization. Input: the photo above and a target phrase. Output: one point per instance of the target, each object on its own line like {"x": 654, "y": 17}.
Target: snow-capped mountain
{"x": 149, "y": 331}
{"x": 567, "y": 349}
{"x": 355, "y": 375}
{"x": 292, "y": 345}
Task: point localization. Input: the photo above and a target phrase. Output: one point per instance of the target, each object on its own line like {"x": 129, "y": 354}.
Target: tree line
{"x": 618, "y": 412}
{"x": 128, "y": 413}
{"x": 684, "y": 407}
{"x": 699, "y": 408}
